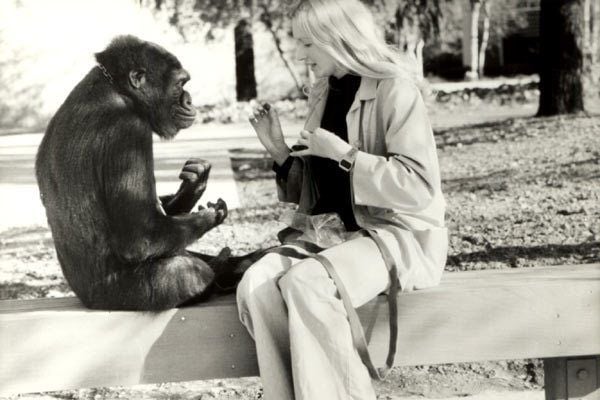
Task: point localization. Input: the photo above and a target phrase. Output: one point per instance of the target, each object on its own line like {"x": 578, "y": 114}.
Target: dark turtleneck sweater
{"x": 333, "y": 183}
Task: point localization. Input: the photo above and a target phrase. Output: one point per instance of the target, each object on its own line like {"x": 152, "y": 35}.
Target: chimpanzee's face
{"x": 159, "y": 91}
{"x": 173, "y": 109}
{"x": 179, "y": 104}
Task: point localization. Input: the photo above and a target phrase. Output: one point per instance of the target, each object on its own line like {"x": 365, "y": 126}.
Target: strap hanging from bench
{"x": 358, "y": 336}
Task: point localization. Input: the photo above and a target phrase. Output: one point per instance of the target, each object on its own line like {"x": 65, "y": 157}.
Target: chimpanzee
{"x": 119, "y": 245}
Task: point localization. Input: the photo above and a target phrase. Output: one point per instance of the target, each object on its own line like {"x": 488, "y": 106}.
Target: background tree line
{"x": 568, "y": 44}
{"x": 241, "y": 49}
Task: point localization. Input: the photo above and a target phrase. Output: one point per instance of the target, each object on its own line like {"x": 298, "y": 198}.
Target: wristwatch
{"x": 347, "y": 161}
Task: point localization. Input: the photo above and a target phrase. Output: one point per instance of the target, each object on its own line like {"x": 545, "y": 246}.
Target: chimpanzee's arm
{"x": 194, "y": 174}
{"x": 138, "y": 230}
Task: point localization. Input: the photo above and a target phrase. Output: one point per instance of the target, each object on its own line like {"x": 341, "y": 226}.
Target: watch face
{"x": 345, "y": 164}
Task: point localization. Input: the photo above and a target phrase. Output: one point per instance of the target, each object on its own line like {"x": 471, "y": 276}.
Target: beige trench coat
{"x": 395, "y": 181}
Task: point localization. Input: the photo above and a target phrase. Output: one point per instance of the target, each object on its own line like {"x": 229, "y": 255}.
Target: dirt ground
{"x": 521, "y": 192}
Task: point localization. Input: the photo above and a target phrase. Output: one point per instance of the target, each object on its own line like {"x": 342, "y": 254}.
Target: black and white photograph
{"x": 300, "y": 199}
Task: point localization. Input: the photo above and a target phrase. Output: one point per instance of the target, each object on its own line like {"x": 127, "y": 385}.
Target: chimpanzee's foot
{"x": 227, "y": 280}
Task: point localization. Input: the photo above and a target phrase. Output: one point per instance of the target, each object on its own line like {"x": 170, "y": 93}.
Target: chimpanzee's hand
{"x": 210, "y": 216}
{"x": 195, "y": 176}
{"x": 220, "y": 208}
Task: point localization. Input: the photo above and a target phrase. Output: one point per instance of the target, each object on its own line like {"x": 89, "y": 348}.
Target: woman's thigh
{"x": 358, "y": 263}
{"x": 266, "y": 270}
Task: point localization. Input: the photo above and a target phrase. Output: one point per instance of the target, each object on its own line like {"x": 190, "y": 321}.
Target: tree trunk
{"x": 561, "y": 57}
{"x": 588, "y": 50}
{"x": 485, "y": 35}
{"x": 472, "y": 73}
{"x": 244, "y": 61}
{"x": 594, "y": 44}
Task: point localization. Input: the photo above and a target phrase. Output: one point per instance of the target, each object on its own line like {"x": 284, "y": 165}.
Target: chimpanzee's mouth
{"x": 185, "y": 119}
{"x": 184, "y": 113}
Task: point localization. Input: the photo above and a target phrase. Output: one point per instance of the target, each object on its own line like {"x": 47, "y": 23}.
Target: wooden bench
{"x": 551, "y": 313}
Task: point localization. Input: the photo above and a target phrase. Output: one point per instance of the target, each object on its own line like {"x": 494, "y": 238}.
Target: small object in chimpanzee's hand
{"x": 299, "y": 147}
{"x": 267, "y": 106}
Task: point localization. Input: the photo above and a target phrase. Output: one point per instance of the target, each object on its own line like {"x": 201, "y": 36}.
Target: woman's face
{"x": 321, "y": 63}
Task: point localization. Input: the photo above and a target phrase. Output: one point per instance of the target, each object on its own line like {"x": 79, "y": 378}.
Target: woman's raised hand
{"x": 321, "y": 143}
{"x": 265, "y": 122}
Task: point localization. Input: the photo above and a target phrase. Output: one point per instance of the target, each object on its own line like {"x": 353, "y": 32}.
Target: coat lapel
{"x": 316, "y": 104}
{"x": 366, "y": 92}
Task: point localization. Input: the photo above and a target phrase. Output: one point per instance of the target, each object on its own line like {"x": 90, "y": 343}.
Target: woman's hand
{"x": 265, "y": 122}
{"x": 321, "y": 143}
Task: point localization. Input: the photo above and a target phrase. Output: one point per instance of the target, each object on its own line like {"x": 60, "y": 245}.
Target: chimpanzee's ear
{"x": 137, "y": 77}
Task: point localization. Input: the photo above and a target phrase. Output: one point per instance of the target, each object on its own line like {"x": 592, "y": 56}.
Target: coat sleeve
{"x": 289, "y": 178}
{"x": 294, "y": 184}
{"x": 407, "y": 177}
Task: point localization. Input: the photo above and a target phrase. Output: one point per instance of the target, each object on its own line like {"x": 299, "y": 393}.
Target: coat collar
{"x": 366, "y": 91}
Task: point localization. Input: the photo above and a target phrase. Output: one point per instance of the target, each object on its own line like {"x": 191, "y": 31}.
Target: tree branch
{"x": 266, "y": 19}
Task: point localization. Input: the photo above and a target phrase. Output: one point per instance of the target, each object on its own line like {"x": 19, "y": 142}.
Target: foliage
{"x": 407, "y": 20}
{"x": 506, "y": 17}
{"x": 205, "y": 19}
{"x": 44, "y": 53}
{"x": 47, "y": 47}
{"x": 434, "y": 19}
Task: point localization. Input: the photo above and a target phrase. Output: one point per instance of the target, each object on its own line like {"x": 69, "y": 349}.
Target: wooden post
{"x": 555, "y": 378}
{"x": 571, "y": 378}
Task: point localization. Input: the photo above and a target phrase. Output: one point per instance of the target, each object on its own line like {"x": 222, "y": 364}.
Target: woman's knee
{"x": 262, "y": 273}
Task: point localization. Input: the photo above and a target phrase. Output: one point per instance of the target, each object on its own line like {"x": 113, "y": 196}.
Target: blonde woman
{"x": 370, "y": 213}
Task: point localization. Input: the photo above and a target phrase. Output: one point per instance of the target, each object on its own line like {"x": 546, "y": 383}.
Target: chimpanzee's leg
{"x": 229, "y": 270}
{"x": 162, "y": 284}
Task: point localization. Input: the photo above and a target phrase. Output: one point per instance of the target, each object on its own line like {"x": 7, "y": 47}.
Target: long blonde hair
{"x": 346, "y": 30}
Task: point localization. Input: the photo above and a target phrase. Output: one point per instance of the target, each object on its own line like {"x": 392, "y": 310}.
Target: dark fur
{"x": 95, "y": 171}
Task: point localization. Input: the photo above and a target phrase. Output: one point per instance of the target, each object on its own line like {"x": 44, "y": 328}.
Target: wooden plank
{"x": 74, "y": 348}
{"x": 52, "y": 344}
{"x": 211, "y": 344}
{"x": 492, "y": 315}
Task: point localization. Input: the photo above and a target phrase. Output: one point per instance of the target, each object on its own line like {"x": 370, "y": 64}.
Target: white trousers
{"x": 293, "y": 311}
